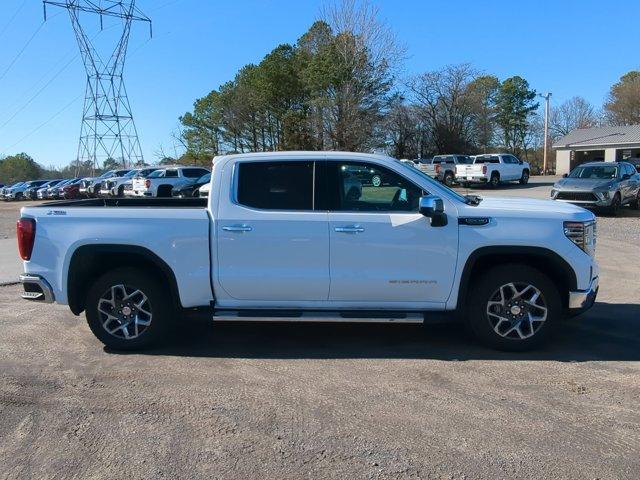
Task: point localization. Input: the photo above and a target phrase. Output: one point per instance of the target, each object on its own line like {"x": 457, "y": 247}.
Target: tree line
{"x": 339, "y": 87}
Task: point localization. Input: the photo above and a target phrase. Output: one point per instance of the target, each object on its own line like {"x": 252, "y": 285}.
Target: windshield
{"x": 156, "y": 174}
{"x": 205, "y": 178}
{"x": 465, "y": 160}
{"x": 602, "y": 172}
{"x": 431, "y": 181}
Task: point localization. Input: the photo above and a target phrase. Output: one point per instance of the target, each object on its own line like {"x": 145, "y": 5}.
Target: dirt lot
{"x": 338, "y": 401}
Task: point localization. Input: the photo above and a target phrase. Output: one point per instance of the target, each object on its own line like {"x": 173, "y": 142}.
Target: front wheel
{"x": 616, "y": 203}
{"x": 128, "y": 309}
{"x": 524, "y": 179}
{"x": 513, "y": 308}
{"x": 635, "y": 204}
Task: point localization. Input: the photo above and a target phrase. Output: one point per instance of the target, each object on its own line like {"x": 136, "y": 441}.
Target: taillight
{"x": 147, "y": 183}
{"x": 484, "y": 169}
{"x": 26, "y": 230}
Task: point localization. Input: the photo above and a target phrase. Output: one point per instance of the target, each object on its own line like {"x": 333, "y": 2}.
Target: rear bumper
{"x": 582, "y": 300}
{"x": 471, "y": 179}
{"x": 36, "y": 289}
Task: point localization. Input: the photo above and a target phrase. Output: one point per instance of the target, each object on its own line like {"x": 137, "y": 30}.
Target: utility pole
{"x": 108, "y": 130}
{"x": 546, "y": 97}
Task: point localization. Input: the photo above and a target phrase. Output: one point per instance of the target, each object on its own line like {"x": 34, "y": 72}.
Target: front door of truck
{"x": 272, "y": 245}
{"x": 383, "y": 252}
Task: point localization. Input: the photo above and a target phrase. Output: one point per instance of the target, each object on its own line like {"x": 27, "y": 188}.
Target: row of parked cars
{"x": 488, "y": 169}
{"x": 177, "y": 181}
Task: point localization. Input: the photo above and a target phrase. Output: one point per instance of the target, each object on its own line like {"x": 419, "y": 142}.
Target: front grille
{"x": 577, "y": 196}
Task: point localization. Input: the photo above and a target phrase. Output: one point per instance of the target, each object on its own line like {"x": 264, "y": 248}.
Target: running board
{"x": 316, "y": 316}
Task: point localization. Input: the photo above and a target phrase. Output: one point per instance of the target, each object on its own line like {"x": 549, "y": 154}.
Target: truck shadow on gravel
{"x": 607, "y": 332}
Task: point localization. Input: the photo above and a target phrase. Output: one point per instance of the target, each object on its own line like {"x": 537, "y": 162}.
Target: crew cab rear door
{"x": 272, "y": 242}
{"x": 383, "y": 252}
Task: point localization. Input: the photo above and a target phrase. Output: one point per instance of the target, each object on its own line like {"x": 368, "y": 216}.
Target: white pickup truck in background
{"x": 493, "y": 169}
{"x": 443, "y": 167}
{"x": 289, "y": 236}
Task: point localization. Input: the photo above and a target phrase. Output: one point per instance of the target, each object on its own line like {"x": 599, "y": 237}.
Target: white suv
{"x": 161, "y": 182}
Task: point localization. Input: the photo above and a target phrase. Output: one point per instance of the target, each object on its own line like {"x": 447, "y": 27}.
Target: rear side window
{"x": 487, "y": 159}
{"x": 170, "y": 173}
{"x": 194, "y": 172}
{"x": 276, "y": 185}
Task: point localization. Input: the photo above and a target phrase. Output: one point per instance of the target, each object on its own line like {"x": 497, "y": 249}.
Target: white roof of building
{"x": 600, "y": 136}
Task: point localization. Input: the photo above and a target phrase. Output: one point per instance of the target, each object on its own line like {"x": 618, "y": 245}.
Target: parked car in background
{"x": 90, "y": 186}
{"x": 493, "y": 169}
{"x": 192, "y": 189}
{"x": 602, "y": 185}
{"x": 635, "y": 161}
{"x": 204, "y": 190}
{"x": 115, "y": 186}
{"x": 6, "y": 188}
{"x": 17, "y": 192}
{"x": 71, "y": 190}
{"x": 161, "y": 182}
{"x": 55, "y": 192}
{"x": 32, "y": 192}
{"x": 443, "y": 167}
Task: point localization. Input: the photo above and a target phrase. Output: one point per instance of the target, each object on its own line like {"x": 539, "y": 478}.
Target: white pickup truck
{"x": 284, "y": 236}
{"x": 493, "y": 169}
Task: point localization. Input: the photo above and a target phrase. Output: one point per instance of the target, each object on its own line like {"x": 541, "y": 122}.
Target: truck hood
{"x": 515, "y": 206}
{"x": 582, "y": 184}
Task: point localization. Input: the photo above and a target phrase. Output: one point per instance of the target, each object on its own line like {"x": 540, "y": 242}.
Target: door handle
{"x": 237, "y": 228}
{"x": 350, "y": 229}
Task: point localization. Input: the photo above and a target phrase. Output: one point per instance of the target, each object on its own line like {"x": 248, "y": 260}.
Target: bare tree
{"x": 449, "y": 105}
{"x": 571, "y": 114}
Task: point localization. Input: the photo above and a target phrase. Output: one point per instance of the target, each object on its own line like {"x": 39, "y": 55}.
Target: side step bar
{"x": 316, "y": 316}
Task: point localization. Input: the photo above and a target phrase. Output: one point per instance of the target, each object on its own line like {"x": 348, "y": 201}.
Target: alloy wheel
{"x": 517, "y": 310}
{"x": 124, "y": 311}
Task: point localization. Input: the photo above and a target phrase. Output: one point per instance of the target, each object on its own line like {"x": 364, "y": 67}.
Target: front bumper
{"x": 582, "y": 300}
{"x": 583, "y": 198}
{"x": 36, "y": 289}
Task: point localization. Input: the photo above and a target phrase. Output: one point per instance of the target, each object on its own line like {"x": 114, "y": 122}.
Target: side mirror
{"x": 520, "y": 162}
{"x": 432, "y": 207}
{"x": 565, "y": 175}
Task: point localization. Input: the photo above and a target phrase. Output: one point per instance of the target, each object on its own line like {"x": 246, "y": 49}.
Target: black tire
{"x": 524, "y": 179}
{"x": 635, "y": 204}
{"x": 448, "y": 179}
{"x": 494, "y": 182}
{"x": 164, "y": 191}
{"x": 616, "y": 203}
{"x": 158, "y": 304}
{"x": 121, "y": 191}
{"x": 486, "y": 327}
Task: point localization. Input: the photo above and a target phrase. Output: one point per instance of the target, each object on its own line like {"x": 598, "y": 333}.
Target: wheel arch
{"x": 543, "y": 259}
{"x": 89, "y": 262}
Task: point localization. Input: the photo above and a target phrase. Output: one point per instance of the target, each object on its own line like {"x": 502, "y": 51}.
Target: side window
{"x": 507, "y": 159}
{"x": 366, "y": 187}
{"x": 170, "y": 173}
{"x": 194, "y": 172}
{"x": 275, "y": 185}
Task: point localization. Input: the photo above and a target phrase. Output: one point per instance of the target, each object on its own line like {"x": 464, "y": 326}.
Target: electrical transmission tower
{"x": 108, "y": 130}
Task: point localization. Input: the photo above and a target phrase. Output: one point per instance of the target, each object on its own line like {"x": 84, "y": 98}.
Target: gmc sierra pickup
{"x": 289, "y": 236}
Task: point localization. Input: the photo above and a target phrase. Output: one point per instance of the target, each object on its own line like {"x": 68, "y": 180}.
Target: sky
{"x": 566, "y": 47}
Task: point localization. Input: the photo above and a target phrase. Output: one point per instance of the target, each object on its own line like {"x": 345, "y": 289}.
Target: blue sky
{"x": 568, "y": 47}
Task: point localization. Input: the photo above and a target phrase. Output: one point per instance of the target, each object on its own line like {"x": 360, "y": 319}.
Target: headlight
{"x": 583, "y": 234}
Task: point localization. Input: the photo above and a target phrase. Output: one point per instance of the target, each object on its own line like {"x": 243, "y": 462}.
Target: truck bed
{"x": 129, "y": 202}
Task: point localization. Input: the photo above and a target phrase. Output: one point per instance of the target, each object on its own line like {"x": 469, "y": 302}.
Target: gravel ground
{"x": 315, "y": 401}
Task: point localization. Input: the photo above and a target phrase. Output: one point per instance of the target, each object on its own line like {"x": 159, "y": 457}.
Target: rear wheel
{"x": 128, "y": 309}
{"x": 495, "y": 180}
{"x": 448, "y": 179}
{"x": 513, "y": 307}
{"x": 524, "y": 179}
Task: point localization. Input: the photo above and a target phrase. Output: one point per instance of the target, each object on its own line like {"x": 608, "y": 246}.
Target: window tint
{"x": 276, "y": 185}
{"x": 365, "y": 187}
{"x": 194, "y": 172}
{"x": 487, "y": 159}
{"x": 170, "y": 173}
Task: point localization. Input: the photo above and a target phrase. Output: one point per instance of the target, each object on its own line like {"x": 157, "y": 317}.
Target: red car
{"x": 71, "y": 191}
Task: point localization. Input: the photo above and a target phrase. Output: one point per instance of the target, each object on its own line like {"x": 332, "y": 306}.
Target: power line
{"x": 15, "y": 59}
{"x": 13, "y": 17}
{"x": 53, "y": 117}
